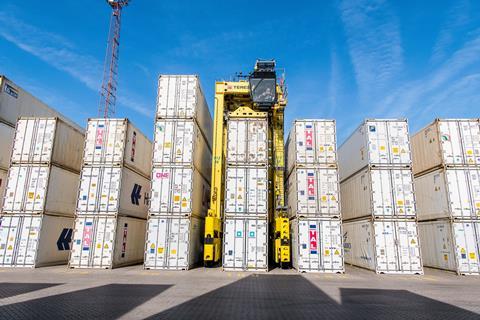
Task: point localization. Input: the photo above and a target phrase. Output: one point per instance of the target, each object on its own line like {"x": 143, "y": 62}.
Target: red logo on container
{"x": 87, "y": 236}
{"x": 161, "y": 175}
{"x": 99, "y": 137}
{"x": 311, "y": 186}
{"x": 309, "y": 138}
{"x": 313, "y": 240}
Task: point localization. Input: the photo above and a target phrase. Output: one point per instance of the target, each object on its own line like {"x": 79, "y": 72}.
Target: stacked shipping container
{"x": 39, "y": 202}
{"x": 313, "y": 197}
{"x": 180, "y": 177}
{"x": 112, "y": 203}
{"x": 247, "y": 205}
{"x": 446, "y": 164}
{"x": 377, "y": 196}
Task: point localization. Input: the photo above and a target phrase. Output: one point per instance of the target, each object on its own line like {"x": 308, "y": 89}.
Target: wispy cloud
{"x": 61, "y": 54}
{"x": 374, "y": 42}
{"x": 334, "y": 83}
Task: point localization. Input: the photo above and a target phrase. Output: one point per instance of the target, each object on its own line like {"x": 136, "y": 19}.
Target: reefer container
{"x": 7, "y": 134}
{"x": 247, "y": 141}
{"x": 181, "y": 97}
{"x": 246, "y": 191}
{"x": 385, "y": 246}
{"x": 313, "y": 192}
{"x": 174, "y": 243}
{"x": 111, "y": 191}
{"x": 451, "y": 245}
{"x": 16, "y": 102}
{"x": 317, "y": 245}
{"x": 35, "y": 189}
{"x": 245, "y": 244}
{"x": 375, "y": 143}
{"x": 3, "y": 184}
{"x": 117, "y": 142}
{"x": 34, "y": 240}
{"x": 311, "y": 143}
{"x": 46, "y": 141}
{"x": 446, "y": 142}
{"x": 179, "y": 191}
{"x": 448, "y": 193}
{"x": 181, "y": 142}
{"x": 381, "y": 193}
{"x": 107, "y": 242}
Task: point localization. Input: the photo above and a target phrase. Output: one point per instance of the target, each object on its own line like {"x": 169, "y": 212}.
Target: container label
{"x": 87, "y": 236}
{"x": 313, "y": 239}
{"x": 311, "y": 186}
{"x": 309, "y": 137}
{"x": 99, "y": 136}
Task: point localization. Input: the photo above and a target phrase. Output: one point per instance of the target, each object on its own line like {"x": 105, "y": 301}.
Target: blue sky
{"x": 346, "y": 60}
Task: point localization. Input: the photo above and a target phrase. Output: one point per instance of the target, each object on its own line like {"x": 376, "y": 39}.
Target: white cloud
{"x": 334, "y": 83}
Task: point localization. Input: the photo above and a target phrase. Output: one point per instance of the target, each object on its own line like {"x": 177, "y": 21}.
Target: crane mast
{"x": 108, "y": 92}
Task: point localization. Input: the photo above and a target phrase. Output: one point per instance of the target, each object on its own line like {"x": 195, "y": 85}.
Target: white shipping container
{"x": 448, "y": 193}
{"x": 375, "y": 143}
{"x": 174, "y": 243}
{"x": 180, "y": 142}
{"x": 382, "y": 193}
{"x": 107, "y": 242}
{"x": 3, "y": 185}
{"x": 117, "y": 142}
{"x": 311, "y": 142}
{"x": 246, "y": 191}
{"x": 179, "y": 191}
{"x": 48, "y": 140}
{"x": 112, "y": 191}
{"x": 181, "y": 97}
{"x": 245, "y": 244}
{"x": 7, "y": 133}
{"x": 16, "y": 102}
{"x": 451, "y": 245}
{"x": 446, "y": 142}
{"x": 385, "y": 246}
{"x": 34, "y": 240}
{"x": 313, "y": 192}
{"x": 247, "y": 141}
{"x": 317, "y": 245}
{"x": 34, "y": 189}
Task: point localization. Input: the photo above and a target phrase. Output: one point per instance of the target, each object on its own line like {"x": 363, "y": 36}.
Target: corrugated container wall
{"x": 375, "y": 143}
{"x": 449, "y": 193}
{"x": 247, "y": 141}
{"x": 381, "y": 193}
{"x": 48, "y": 141}
{"x": 107, "y": 242}
{"x": 181, "y": 97}
{"x": 34, "y": 240}
{"x": 313, "y": 192}
{"x": 117, "y": 142}
{"x": 446, "y": 142}
{"x": 7, "y": 134}
{"x": 245, "y": 244}
{"x": 16, "y": 102}
{"x": 174, "y": 243}
{"x": 317, "y": 245}
{"x": 385, "y": 246}
{"x": 451, "y": 245}
{"x": 37, "y": 189}
{"x": 311, "y": 143}
{"x": 3, "y": 185}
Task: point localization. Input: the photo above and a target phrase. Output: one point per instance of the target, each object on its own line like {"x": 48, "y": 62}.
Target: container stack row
{"x": 446, "y": 164}
{"x": 180, "y": 176}
{"x": 313, "y": 200}
{"x": 378, "y": 199}
{"x": 247, "y": 196}
{"x": 39, "y": 203}
{"x": 112, "y": 202}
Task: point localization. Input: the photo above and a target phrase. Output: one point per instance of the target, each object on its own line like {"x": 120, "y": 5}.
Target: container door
{"x": 235, "y": 190}
{"x": 451, "y": 142}
{"x": 16, "y": 189}
{"x": 331, "y": 241}
{"x": 172, "y": 190}
{"x": 304, "y": 142}
{"x": 403, "y": 197}
{"x": 307, "y": 191}
{"x": 174, "y": 142}
{"x": 236, "y": 142}
{"x": 99, "y": 190}
{"x": 470, "y": 133}
{"x": 176, "y": 97}
{"x": 459, "y": 193}
{"x": 399, "y": 142}
{"x": 156, "y": 243}
{"x": 19, "y": 240}
{"x": 34, "y": 141}
{"x": 328, "y": 191}
{"x": 182, "y": 238}
{"x": 326, "y": 142}
{"x": 408, "y": 247}
{"x": 386, "y": 247}
{"x": 257, "y": 193}
{"x": 382, "y": 197}
{"x": 256, "y": 244}
{"x": 378, "y": 146}
{"x": 234, "y": 244}
{"x": 105, "y": 141}
{"x": 467, "y": 246}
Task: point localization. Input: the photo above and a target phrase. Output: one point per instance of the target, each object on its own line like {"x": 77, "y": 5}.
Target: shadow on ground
{"x": 294, "y": 297}
{"x": 104, "y": 302}
{"x": 8, "y": 289}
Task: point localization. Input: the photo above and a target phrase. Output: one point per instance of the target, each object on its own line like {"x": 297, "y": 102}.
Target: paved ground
{"x": 133, "y": 293}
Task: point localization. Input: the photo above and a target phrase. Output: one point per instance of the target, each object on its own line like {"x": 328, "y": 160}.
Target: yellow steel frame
{"x": 233, "y": 99}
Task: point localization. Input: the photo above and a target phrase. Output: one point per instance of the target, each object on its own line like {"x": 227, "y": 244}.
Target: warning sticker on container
{"x": 313, "y": 239}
